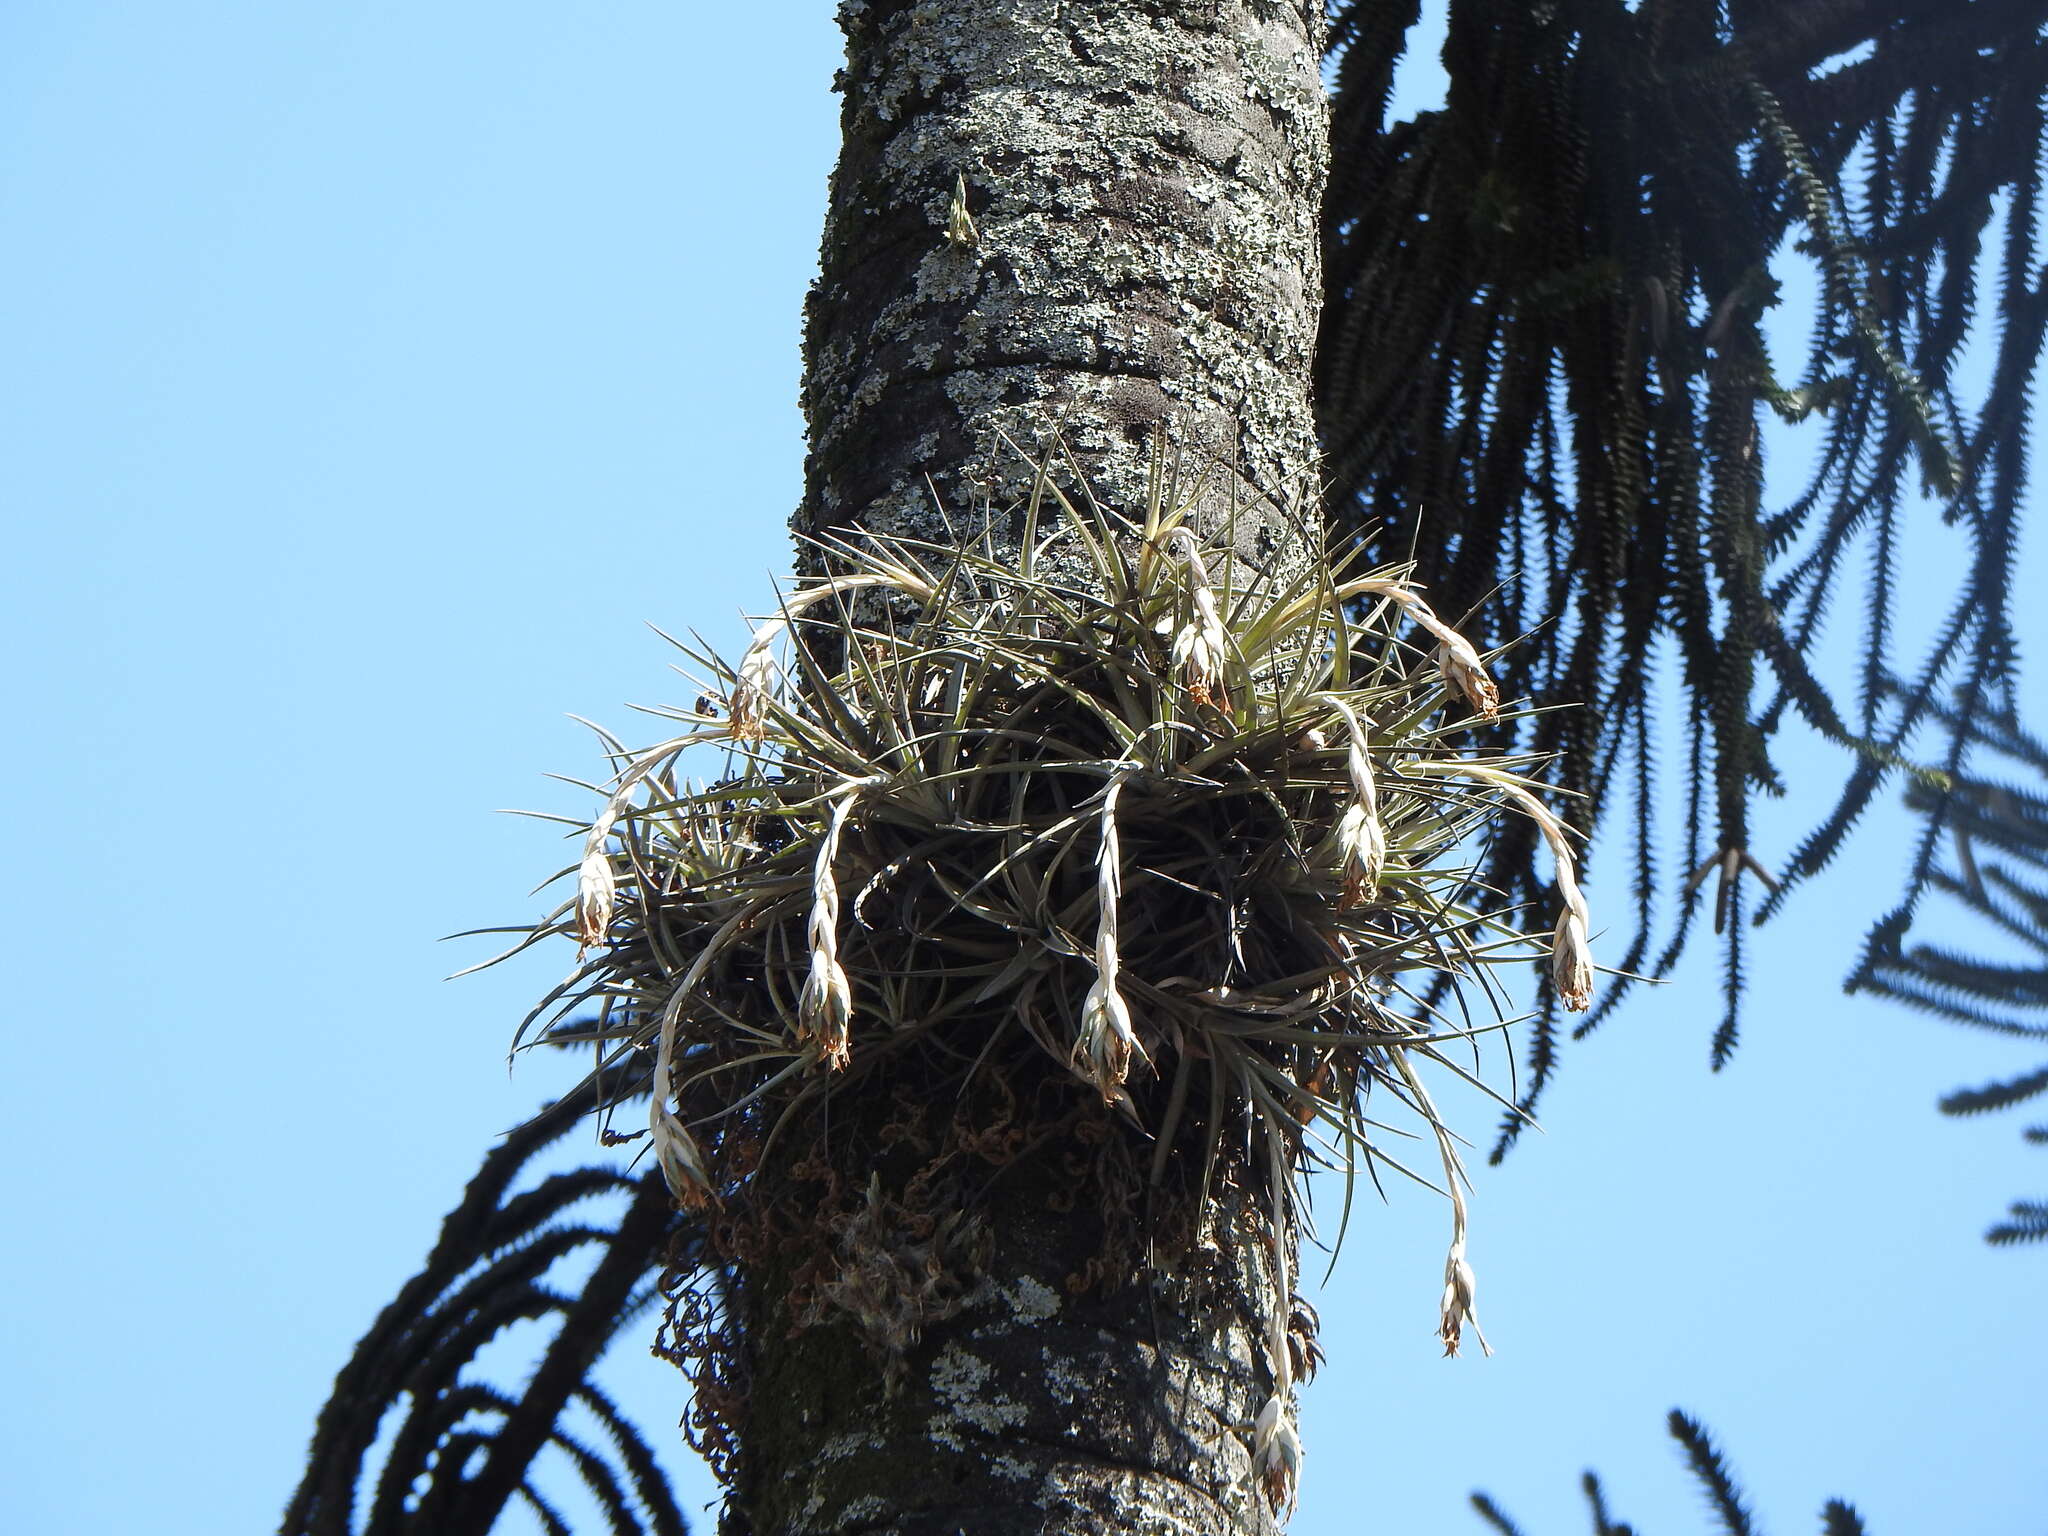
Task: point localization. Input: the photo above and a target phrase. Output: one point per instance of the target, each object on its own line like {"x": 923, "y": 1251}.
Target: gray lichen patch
{"x": 869, "y": 1508}
{"x": 971, "y": 1397}
{"x": 1031, "y": 1300}
{"x": 1067, "y": 1406}
{"x": 1144, "y": 182}
{"x": 1066, "y": 1379}
{"x": 853, "y": 1443}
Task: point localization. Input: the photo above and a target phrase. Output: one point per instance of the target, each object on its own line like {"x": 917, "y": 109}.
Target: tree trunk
{"x": 1144, "y": 181}
{"x": 1137, "y": 262}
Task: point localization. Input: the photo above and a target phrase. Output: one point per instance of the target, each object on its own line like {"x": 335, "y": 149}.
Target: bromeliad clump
{"x": 1121, "y": 811}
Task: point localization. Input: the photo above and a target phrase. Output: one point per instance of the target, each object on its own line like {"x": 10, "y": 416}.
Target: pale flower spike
{"x": 1571, "y": 959}
{"x": 1106, "y": 1039}
{"x": 1363, "y": 844}
{"x": 1463, "y": 670}
{"x": 1571, "y": 947}
{"x": 1276, "y": 1444}
{"x": 682, "y": 1163}
{"x": 676, "y": 1153}
{"x": 597, "y": 890}
{"x": 1456, "y": 658}
{"x": 1459, "y": 1284}
{"x": 1361, "y": 839}
{"x": 1460, "y": 1287}
{"x": 1571, "y": 944}
{"x": 826, "y": 1007}
{"x": 597, "y": 885}
{"x": 1200, "y": 647}
{"x": 754, "y": 678}
{"x": 1276, "y": 1455}
{"x": 1358, "y": 763}
{"x": 754, "y": 683}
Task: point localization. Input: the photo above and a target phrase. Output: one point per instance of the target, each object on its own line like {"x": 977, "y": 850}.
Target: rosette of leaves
{"x": 1123, "y": 812}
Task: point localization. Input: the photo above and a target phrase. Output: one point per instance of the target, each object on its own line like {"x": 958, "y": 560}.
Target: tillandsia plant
{"x": 1134, "y": 831}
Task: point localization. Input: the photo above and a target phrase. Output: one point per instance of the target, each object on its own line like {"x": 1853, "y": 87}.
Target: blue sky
{"x": 378, "y": 372}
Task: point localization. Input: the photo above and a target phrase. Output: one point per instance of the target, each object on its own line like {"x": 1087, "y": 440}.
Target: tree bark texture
{"x": 1143, "y": 178}
{"x": 1042, "y": 1405}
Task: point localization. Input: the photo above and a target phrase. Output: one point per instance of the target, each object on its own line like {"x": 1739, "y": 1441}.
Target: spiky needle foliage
{"x": 1995, "y": 878}
{"x": 1703, "y": 1458}
{"x": 463, "y": 1448}
{"x": 1544, "y": 370}
{"x": 1133, "y": 814}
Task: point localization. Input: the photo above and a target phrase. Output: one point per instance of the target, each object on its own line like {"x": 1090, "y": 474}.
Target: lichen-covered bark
{"x": 1144, "y": 177}
{"x": 1039, "y": 1406}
